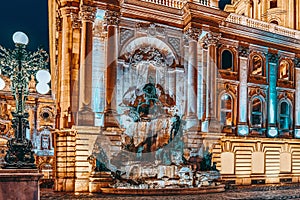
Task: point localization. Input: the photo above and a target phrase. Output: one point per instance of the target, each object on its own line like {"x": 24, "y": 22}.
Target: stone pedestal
{"x": 99, "y": 180}
{"x": 20, "y": 184}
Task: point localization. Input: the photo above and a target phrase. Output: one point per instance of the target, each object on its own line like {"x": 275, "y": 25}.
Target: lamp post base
{"x": 19, "y": 155}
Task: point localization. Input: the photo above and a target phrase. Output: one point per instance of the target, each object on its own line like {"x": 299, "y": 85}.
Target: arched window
{"x": 274, "y": 22}
{"x": 284, "y": 70}
{"x": 227, "y": 60}
{"x": 284, "y": 115}
{"x": 257, "y": 65}
{"x": 257, "y": 112}
{"x": 226, "y": 110}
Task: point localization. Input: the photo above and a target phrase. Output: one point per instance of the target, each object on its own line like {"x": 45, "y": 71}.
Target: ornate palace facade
{"x": 121, "y": 69}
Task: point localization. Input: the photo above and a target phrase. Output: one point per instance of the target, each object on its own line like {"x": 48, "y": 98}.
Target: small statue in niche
{"x": 32, "y": 84}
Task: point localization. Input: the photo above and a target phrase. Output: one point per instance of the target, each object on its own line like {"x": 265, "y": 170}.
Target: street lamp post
{"x": 19, "y": 64}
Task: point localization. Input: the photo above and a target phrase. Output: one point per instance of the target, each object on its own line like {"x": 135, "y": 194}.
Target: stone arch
{"x": 132, "y": 46}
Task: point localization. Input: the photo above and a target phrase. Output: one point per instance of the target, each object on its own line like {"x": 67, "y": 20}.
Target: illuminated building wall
{"x": 232, "y": 76}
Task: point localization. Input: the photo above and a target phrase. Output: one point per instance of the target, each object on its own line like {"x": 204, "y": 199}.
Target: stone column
{"x": 297, "y": 98}
{"x": 248, "y": 11}
{"x": 203, "y": 83}
{"x": 75, "y": 70}
{"x": 99, "y": 60}
{"x": 255, "y": 9}
{"x": 172, "y": 81}
{"x": 211, "y": 123}
{"x": 85, "y": 114}
{"x": 272, "y": 102}
{"x": 111, "y": 19}
{"x": 192, "y": 90}
{"x": 242, "y": 127}
{"x": 66, "y": 62}
{"x": 264, "y": 8}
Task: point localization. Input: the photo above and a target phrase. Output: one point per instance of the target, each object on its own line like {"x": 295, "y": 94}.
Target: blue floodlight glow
{"x": 100, "y": 14}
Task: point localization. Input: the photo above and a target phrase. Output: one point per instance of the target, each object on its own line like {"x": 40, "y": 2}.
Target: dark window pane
{"x": 227, "y": 60}
{"x": 284, "y": 108}
{"x": 256, "y": 119}
{"x": 273, "y": 4}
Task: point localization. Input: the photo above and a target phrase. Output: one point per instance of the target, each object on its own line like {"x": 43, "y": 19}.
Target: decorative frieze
{"x": 151, "y": 29}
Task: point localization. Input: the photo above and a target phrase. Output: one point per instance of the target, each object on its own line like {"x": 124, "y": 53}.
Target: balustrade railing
{"x": 168, "y": 3}
{"x": 176, "y": 3}
{"x": 239, "y": 19}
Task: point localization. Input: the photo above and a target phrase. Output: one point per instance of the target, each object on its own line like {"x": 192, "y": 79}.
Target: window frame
{"x": 288, "y": 116}
{"x": 262, "y": 112}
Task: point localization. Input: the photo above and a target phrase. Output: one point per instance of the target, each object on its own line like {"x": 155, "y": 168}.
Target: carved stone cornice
{"x": 87, "y": 13}
{"x": 111, "y": 18}
{"x": 296, "y": 62}
{"x": 212, "y": 38}
{"x": 243, "y": 51}
{"x": 273, "y": 57}
{"x": 192, "y": 33}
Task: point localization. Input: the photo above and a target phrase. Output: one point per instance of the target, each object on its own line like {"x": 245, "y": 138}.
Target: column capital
{"x": 243, "y": 51}
{"x": 75, "y": 20}
{"x": 68, "y": 11}
{"x": 296, "y": 62}
{"x": 212, "y": 38}
{"x": 192, "y": 33}
{"x": 273, "y": 57}
{"x": 111, "y": 17}
{"x": 87, "y": 13}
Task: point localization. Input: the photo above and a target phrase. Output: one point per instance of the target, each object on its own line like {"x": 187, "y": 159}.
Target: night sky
{"x": 30, "y": 17}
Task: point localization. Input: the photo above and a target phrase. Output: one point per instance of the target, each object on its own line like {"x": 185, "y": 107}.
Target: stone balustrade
{"x": 253, "y": 23}
{"x": 176, "y": 3}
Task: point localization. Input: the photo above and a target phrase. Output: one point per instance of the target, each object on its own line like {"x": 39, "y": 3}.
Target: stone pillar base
{"x": 297, "y": 133}
{"x": 85, "y": 117}
{"x": 20, "y": 184}
{"x": 243, "y": 130}
{"x": 110, "y": 119}
{"x": 272, "y": 132}
{"x": 211, "y": 125}
{"x": 64, "y": 185}
{"x": 99, "y": 180}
